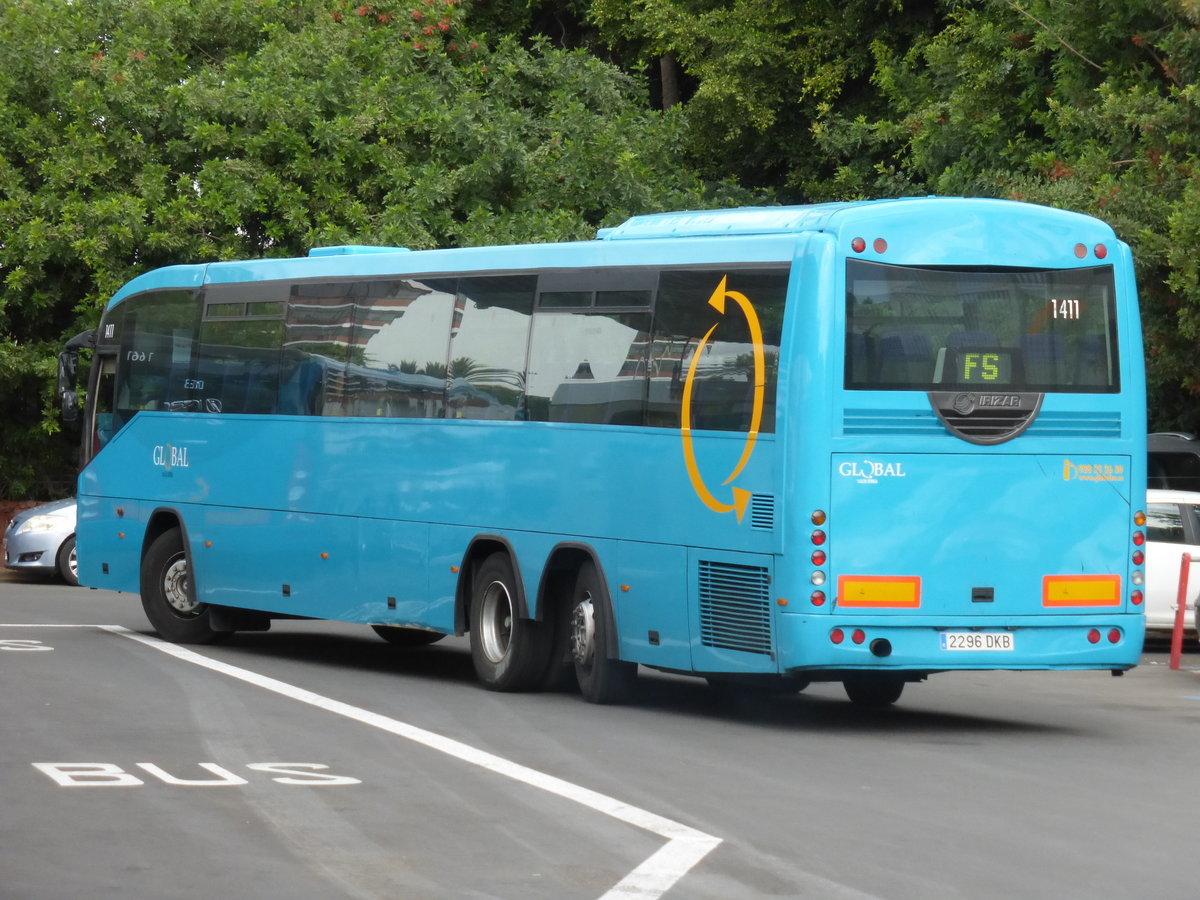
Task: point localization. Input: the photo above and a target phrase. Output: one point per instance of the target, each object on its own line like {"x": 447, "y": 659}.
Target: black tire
{"x": 873, "y": 690}
{"x": 168, "y": 596}
{"x": 601, "y": 678}
{"x": 407, "y": 637}
{"x": 757, "y": 684}
{"x": 509, "y": 653}
{"x": 67, "y": 563}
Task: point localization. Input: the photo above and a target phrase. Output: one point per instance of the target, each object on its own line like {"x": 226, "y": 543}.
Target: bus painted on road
{"x": 856, "y": 442}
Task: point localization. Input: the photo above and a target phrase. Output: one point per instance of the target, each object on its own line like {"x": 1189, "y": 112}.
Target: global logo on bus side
{"x": 739, "y": 498}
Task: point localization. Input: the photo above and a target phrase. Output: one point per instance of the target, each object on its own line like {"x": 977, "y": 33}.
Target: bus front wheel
{"x": 601, "y": 678}
{"x": 167, "y": 596}
{"x": 509, "y": 653}
{"x": 873, "y": 690}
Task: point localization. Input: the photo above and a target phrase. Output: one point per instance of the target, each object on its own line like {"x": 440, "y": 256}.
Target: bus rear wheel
{"x": 167, "y": 595}
{"x": 873, "y": 690}
{"x": 509, "y": 653}
{"x": 601, "y": 678}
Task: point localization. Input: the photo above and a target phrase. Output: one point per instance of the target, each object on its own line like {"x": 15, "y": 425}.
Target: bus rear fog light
{"x": 837, "y": 635}
{"x": 858, "y": 636}
{"x": 1094, "y": 636}
{"x": 1114, "y": 635}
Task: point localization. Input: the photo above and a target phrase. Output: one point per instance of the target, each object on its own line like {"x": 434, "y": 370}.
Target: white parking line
{"x": 685, "y": 846}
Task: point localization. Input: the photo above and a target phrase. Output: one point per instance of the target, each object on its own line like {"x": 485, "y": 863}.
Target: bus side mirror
{"x": 68, "y": 368}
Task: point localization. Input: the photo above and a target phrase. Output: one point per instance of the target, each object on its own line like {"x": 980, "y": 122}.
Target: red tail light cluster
{"x": 818, "y": 576}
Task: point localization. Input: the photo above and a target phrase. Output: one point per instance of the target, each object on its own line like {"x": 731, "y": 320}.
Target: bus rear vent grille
{"x": 762, "y": 511}
{"x": 735, "y": 607}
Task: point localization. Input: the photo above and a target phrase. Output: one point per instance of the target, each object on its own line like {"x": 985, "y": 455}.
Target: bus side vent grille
{"x": 1065, "y": 423}
{"x": 891, "y": 422}
{"x": 735, "y": 607}
{"x": 762, "y": 511}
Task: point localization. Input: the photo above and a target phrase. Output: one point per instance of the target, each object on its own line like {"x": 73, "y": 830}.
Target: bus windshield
{"x": 929, "y": 329}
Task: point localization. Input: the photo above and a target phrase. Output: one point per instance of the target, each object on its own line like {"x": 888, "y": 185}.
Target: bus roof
{"x": 752, "y": 234}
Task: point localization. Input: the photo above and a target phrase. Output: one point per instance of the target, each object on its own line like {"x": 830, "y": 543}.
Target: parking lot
{"x": 317, "y": 761}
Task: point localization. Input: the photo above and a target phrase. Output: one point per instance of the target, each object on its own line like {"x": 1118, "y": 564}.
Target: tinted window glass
{"x": 489, "y": 341}
{"x": 589, "y": 367}
{"x": 722, "y": 368}
{"x": 317, "y": 345}
{"x": 157, "y": 334}
{"x": 401, "y": 347}
{"x": 945, "y": 329}
{"x": 237, "y": 366}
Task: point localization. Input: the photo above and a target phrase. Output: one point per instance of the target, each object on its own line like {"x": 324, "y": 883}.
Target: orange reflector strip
{"x": 875, "y": 591}
{"x": 1081, "y": 590}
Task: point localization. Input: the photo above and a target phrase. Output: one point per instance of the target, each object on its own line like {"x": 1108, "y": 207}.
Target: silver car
{"x": 42, "y": 539}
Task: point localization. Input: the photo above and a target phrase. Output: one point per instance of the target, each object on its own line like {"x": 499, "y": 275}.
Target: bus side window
{"x": 723, "y": 389}
{"x": 489, "y": 344}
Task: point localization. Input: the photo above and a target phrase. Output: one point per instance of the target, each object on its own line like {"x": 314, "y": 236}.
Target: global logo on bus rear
{"x": 869, "y": 471}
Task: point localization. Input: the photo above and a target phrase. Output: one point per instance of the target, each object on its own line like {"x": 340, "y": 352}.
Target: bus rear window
{"x": 1038, "y": 330}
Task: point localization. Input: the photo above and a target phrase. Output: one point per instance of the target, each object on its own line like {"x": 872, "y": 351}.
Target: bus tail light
{"x": 1114, "y": 635}
{"x": 1136, "y": 598}
{"x": 1094, "y": 636}
{"x": 837, "y": 635}
{"x": 818, "y": 598}
{"x": 858, "y": 636}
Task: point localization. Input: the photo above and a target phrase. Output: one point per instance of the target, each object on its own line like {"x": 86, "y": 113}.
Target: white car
{"x": 1172, "y": 529}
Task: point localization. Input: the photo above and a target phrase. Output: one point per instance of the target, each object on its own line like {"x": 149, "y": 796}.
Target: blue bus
{"x": 853, "y": 442}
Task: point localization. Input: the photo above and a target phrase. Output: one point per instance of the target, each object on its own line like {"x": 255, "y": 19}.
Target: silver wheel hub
{"x": 583, "y": 631}
{"x": 495, "y": 629}
{"x": 175, "y": 587}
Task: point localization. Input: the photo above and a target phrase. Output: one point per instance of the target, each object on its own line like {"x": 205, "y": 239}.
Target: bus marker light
{"x": 1094, "y": 636}
{"x": 625, "y": 589}
{"x": 1136, "y": 598}
{"x": 818, "y": 537}
{"x": 858, "y": 245}
{"x": 1080, "y": 250}
{"x": 858, "y": 636}
{"x": 837, "y": 635}
{"x": 818, "y": 517}
{"x": 324, "y": 555}
{"x": 454, "y": 568}
{"x": 1101, "y": 251}
{"x": 1081, "y": 590}
{"x": 782, "y": 601}
{"x": 898, "y": 591}
{"x": 818, "y": 558}
{"x": 208, "y": 543}
{"x": 120, "y": 512}
{"x": 818, "y": 598}
{"x": 880, "y": 245}
{"x": 1114, "y": 635}
{"x": 1139, "y": 518}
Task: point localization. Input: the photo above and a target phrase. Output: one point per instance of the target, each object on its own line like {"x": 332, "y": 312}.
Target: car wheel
{"x": 168, "y": 595}
{"x": 67, "y": 563}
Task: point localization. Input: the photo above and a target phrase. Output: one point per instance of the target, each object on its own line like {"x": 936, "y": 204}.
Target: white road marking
{"x": 655, "y": 876}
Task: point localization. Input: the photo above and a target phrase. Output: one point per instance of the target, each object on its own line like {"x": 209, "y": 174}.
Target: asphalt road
{"x": 317, "y": 761}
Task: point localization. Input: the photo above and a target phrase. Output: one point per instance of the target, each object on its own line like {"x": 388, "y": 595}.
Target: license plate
{"x": 976, "y": 640}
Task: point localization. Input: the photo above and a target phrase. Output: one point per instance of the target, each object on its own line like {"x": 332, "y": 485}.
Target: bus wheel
{"x": 407, "y": 637}
{"x": 601, "y": 679}
{"x": 874, "y": 690}
{"x": 166, "y": 596}
{"x": 509, "y": 653}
